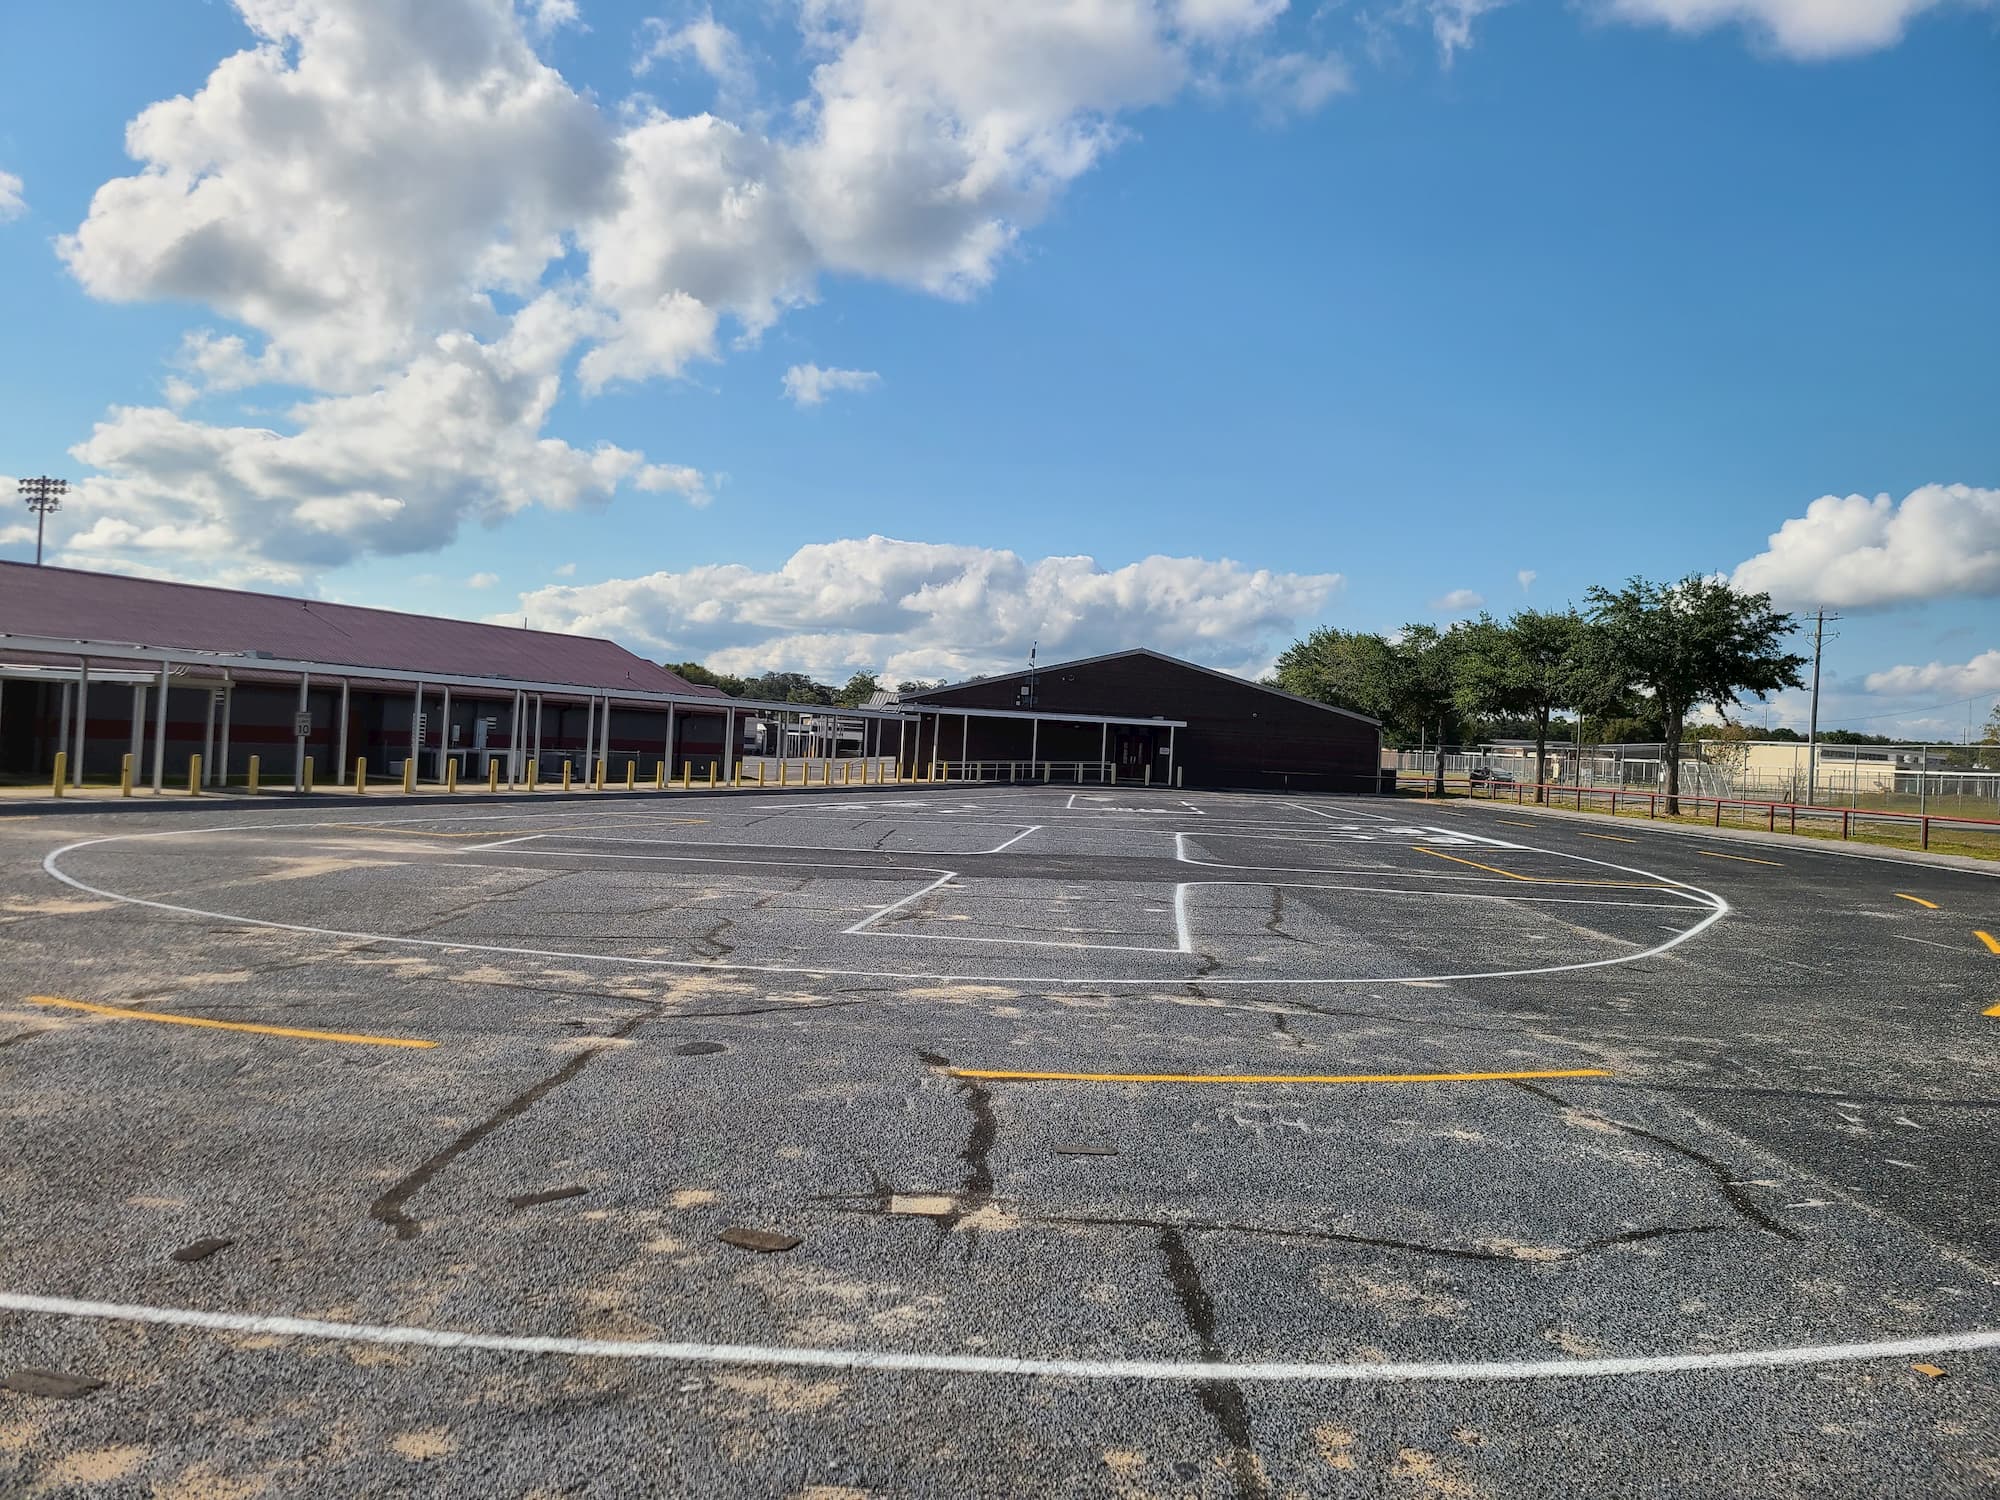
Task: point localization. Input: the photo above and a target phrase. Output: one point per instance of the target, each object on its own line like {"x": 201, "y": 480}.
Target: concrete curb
{"x": 1886, "y": 853}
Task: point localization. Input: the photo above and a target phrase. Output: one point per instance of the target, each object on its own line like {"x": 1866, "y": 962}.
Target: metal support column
{"x": 416, "y": 720}
{"x": 1103, "y": 749}
{"x": 62, "y": 720}
{"x": 900, "y": 723}
{"x": 444, "y": 732}
{"x": 228, "y": 716}
{"x": 138, "y": 746}
{"x": 589, "y": 734}
{"x": 729, "y": 748}
{"x": 604, "y": 736}
{"x": 160, "y": 733}
{"x": 298, "y": 739}
{"x": 964, "y": 739}
{"x": 1170, "y": 756}
{"x": 208, "y": 697}
{"x": 668, "y": 753}
{"x": 1034, "y": 745}
{"x": 340, "y": 766}
{"x": 82, "y": 722}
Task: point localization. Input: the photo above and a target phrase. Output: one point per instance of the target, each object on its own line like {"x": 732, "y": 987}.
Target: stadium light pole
{"x": 43, "y": 496}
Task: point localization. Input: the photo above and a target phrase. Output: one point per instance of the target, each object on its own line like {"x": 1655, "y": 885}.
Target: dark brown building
{"x": 1213, "y": 729}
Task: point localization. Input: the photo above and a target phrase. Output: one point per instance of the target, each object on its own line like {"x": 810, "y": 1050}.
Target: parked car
{"x": 1491, "y": 776}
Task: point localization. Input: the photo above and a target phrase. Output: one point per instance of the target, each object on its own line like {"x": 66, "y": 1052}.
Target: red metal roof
{"x": 67, "y": 604}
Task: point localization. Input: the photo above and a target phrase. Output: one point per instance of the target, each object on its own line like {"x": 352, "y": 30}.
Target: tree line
{"x": 793, "y": 687}
{"x": 1633, "y": 664}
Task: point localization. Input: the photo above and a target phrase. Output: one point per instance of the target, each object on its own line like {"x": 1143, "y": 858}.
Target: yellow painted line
{"x": 1004, "y": 1076}
{"x": 431, "y": 833}
{"x": 1490, "y": 869}
{"x": 1741, "y": 859}
{"x": 1614, "y": 838}
{"x": 1991, "y": 1010}
{"x": 1992, "y": 943}
{"x": 1927, "y": 905}
{"x": 1512, "y": 824}
{"x": 147, "y": 1015}
{"x": 1622, "y": 885}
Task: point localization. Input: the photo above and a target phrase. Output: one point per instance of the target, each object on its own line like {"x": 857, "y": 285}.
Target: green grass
{"x": 1978, "y": 843}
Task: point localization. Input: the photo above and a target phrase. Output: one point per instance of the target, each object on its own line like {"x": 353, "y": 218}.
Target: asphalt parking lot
{"x": 990, "y": 1141}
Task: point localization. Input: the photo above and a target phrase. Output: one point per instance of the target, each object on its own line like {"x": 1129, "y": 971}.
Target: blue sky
{"x": 1191, "y": 323}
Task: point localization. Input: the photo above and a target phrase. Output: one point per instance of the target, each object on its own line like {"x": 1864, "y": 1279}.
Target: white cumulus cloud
{"x": 12, "y": 204}
{"x": 1526, "y": 578}
{"x": 1803, "y": 29}
{"x": 920, "y": 609}
{"x": 482, "y": 580}
{"x": 387, "y": 199}
{"x": 1939, "y": 540}
{"x": 1458, "y": 602}
{"x": 809, "y": 385}
{"x": 1940, "y": 679}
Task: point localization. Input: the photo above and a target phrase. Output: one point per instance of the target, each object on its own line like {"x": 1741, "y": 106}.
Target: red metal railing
{"x": 1560, "y": 794}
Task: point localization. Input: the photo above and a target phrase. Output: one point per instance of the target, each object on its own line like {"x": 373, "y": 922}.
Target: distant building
{"x": 1151, "y": 717}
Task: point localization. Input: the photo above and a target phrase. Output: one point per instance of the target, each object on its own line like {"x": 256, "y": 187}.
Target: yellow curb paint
{"x": 1741, "y": 859}
{"x": 1992, "y": 943}
{"x": 1927, "y": 905}
{"x": 1004, "y": 1076}
{"x": 147, "y": 1015}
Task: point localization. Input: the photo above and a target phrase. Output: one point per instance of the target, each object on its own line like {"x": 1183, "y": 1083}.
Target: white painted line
{"x": 1189, "y": 1371}
{"x": 51, "y": 865}
{"x": 1037, "y": 828}
{"x": 953, "y": 937}
{"x": 1181, "y": 932}
{"x": 879, "y": 913}
{"x": 503, "y": 843}
{"x": 717, "y": 859}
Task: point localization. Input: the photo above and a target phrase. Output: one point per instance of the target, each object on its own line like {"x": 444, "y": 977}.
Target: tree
{"x": 860, "y": 688}
{"x": 1537, "y": 662}
{"x": 918, "y": 685}
{"x": 694, "y": 671}
{"x": 1347, "y": 668}
{"x": 1688, "y": 643}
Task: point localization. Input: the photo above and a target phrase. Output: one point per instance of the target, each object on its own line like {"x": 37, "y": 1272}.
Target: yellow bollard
{"x": 847, "y": 773}
{"x": 451, "y": 773}
{"x": 1048, "y": 771}
{"x": 194, "y": 775}
{"x": 534, "y": 770}
{"x": 492, "y": 775}
{"x": 566, "y": 775}
{"x": 62, "y": 773}
{"x": 256, "y": 773}
{"x": 784, "y": 773}
{"x": 597, "y": 781}
{"x": 711, "y": 774}
{"x": 409, "y": 775}
{"x": 1149, "y": 773}
{"x": 947, "y": 772}
{"x": 125, "y": 776}
{"x": 660, "y": 774}
{"x": 631, "y": 775}
{"x": 760, "y": 775}
{"x": 687, "y": 774}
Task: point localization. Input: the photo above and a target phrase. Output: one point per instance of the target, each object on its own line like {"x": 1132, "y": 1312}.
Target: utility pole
{"x": 43, "y": 496}
{"x": 1820, "y": 617}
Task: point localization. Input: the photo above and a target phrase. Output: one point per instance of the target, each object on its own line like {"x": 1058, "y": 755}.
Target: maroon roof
{"x": 71, "y": 605}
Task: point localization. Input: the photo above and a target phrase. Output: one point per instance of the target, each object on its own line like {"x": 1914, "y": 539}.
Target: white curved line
{"x": 985, "y": 1364}
{"x": 51, "y": 867}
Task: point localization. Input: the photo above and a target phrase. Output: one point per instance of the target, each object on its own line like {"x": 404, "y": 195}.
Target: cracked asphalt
{"x": 651, "y": 1020}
